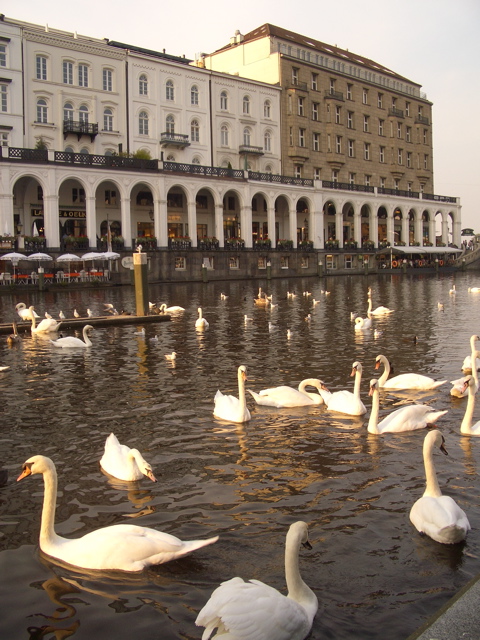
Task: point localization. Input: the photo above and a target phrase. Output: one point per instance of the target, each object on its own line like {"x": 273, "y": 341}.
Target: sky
{"x": 434, "y": 43}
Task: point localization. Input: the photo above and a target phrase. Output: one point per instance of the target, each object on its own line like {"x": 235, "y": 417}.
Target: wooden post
{"x": 141, "y": 283}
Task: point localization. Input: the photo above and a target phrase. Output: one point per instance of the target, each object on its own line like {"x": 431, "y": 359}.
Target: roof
{"x": 272, "y": 31}
{"x": 150, "y": 52}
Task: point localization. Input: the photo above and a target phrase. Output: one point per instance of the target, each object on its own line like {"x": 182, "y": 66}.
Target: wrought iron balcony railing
{"x": 178, "y": 140}
{"x": 80, "y": 128}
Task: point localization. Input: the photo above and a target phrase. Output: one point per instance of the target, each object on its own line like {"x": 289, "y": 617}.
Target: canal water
{"x": 374, "y": 575}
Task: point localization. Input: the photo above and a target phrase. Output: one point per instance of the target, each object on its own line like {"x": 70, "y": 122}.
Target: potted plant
{"x": 415, "y": 243}
{"x": 284, "y": 244}
{"x": 350, "y": 244}
{"x": 332, "y": 244}
{"x": 263, "y": 243}
{"x": 399, "y": 243}
{"x": 305, "y": 245}
{"x": 384, "y": 244}
{"x": 234, "y": 243}
{"x": 148, "y": 242}
{"x": 368, "y": 244}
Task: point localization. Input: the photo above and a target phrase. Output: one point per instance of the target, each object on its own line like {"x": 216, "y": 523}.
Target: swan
{"x": 231, "y": 408}
{"x": 45, "y": 326}
{"x": 361, "y": 324}
{"x": 71, "y": 342}
{"x": 171, "y": 356}
{"x": 346, "y": 401}
{"x": 223, "y": 296}
{"x": 379, "y": 311}
{"x": 467, "y": 362}
{"x": 459, "y": 388}
{"x": 284, "y": 396}
{"x": 452, "y": 291}
{"x": 4, "y": 368}
{"x": 14, "y": 338}
{"x": 405, "y": 380}
{"x": 434, "y": 514}
{"x": 242, "y": 610}
{"x": 201, "y": 323}
{"x": 473, "y": 289}
{"x": 165, "y": 309}
{"x": 23, "y": 312}
{"x": 466, "y": 427}
{"x": 124, "y": 463}
{"x": 408, "y": 418}
{"x": 123, "y": 547}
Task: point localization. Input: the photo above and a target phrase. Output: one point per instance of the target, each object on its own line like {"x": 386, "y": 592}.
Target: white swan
{"x": 284, "y": 396}
{"x": 459, "y": 389}
{"x": 242, "y": 610}
{"x": 71, "y": 342}
{"x": 123, "y": 547}
{"x": 346, "y": 401}
{"x": 173, "y": 309}
{"x": 452, "y": 291}
{"x": 434, "y": 514}
{"x": 201, "y": 323}
{"x": 361, "y": 324}
{"x": 467, "y": 362}
{"x": 171, "y": 356}
{"x": 473, "y": 289}
{"x": 379, "y": 311}
{"x": 47, "y": 325}
{"x": 466, "y": 428}
{"x": 124, "y": 463}
{"x": 23, "y": 312}
{"x": 404, "y": 380}
{"x": 409, "y": 418}
{"x": 231, "y": 408}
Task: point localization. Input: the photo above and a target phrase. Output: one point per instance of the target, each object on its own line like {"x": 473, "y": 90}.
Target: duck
{"x": 440, "y": 306}
{"x": 345, "y": 401}
{"x": 466, "y": 428}
{"x": 171, "y": 356}
{"x": 72, "y": 342}
{"x": 223, "y": 296}
{"x": 48, "y": 316}
{"x": 285, "y": 396}
{"x": 173, "y": 309}
{"x": 14, "y": 338}
{"x": 362, "y": 324}
{"x": 467, "y": 362}
{"x": 242, "y": 610}
{"x": 434, "y": 514}
{"x": 404, "y": 380}
{"x": 124, "y": 463}
{"x": 140, "y": 333}
{"x": 47, "y": 325}
{"x": 231, "y": 408}
{"x": 89, "y": 313}
{"x": 408, "y": 418}
{"x": 379, "y": 311}
{"x": 24, "y": 312}
{"x": 201, "y": 323}
{"x": 120, "y": 547}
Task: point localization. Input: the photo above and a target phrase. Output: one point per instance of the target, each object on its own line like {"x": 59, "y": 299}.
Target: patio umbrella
{"x": 91, "y": 256}
{"x": 14, "y": 257}
{"x": 41, "y": 257}
{"x": 69, "y": 257}
{"x": 110, "y": 255}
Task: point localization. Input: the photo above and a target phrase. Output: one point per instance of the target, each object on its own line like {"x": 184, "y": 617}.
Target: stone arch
{"x": 72, "y": 193}
{"x": 108, "y": 210}
{"x": 283, "y": 206}
{"x": 206, "y": 200}
{"x": 348, "y": 222}
{"x": 178, "y": 198}
{"x": 233, "y": 224}
{"x": 28, "y": 191}
{"x": 366, "y": 229}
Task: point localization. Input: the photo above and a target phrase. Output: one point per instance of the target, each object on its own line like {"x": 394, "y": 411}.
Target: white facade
{"x": 11, "y": 107}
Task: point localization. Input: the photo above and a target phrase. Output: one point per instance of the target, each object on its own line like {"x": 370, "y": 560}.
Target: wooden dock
{"x": 96, "y": 321}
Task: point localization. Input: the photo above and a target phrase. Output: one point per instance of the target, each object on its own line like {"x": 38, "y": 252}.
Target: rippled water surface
{"x": 374, "y": 575}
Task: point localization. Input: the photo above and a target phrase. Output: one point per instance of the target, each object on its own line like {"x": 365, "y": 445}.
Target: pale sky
{"x": 434, "y": 43}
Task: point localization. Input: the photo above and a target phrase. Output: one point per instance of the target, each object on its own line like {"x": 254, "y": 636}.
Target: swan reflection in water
{"x": 57, "y": 590}
{"x": 139, "y": 497}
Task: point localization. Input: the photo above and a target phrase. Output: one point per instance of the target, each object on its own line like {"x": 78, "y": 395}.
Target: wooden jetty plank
{"x": 96, "y": 321}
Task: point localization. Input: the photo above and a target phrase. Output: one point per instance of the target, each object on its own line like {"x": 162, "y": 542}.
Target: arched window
{"x": 224, "y": 101}
{"x": 170, "y": 90}
{"x": 69, "y": 150}
{"x": 109, "y": 152}
{"x": 196, "y": 160}
{"x": 170, "y": 124}
{"x": 268, "y": 169}
{"x": 42, "y": 111}
{"x": 194, "y": 95}
{"x": 143, "y": 123}
{"x": 267, "y": 141}
{"x": 170, "y": 158}
{"x": 84, "y": 150}
{"x": 83, "y": 114}
{"x": 267, "y": 109}
{"x": 224, "y": 136}
{"x": 246, "y": 105}
{"x": 67, "y": 112}
{"x": 195, "y": 131}
{"x": 143, "y": 85}
{"x": 247, "y": 135}
{"x": 107, "y": 119}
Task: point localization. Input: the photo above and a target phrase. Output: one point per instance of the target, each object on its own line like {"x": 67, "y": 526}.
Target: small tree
{"x": 40, "y": 143}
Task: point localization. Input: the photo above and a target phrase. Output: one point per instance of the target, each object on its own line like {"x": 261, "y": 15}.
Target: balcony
{"x": 80, "y": 129}
{"x": 250, "y": 150}
{"x": 298, "y": 153}
{"x": 334, "y": 95}
{"x": 396, "y": 113}
{"x": 174, "y": 140}
{"x": 422, "y": 120}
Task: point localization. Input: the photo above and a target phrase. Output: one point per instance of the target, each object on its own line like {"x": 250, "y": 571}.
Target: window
{"x": 267, "y": 141}
{"x": 110, "y": 196}
{"x": 83, "y": 114}
{"x": 290, "y": 136}
{"x": 195, "y": 131}
{"x": 107, "y": 119}
{"x": 143, "y": 85}
{"x": 246, "y": 137}
{"x": 107, "y": 80}
{"x": 383, "y": 182}
{"x": 334, "y": 175}
{"x": 194, "y": 95}
{"x": 180, "y": 263}
{"x": 332, "y": 85}
{"x": 143, "y": 123}
{"x": 3, "y": 98}
{"x": 284, "y": 262}
{"x": 314, "y": 81}
{"x": 82, "y": 75}
{"x": 365, "y": 96}
{"x": 196, "y": 160}
{"x": 246, "y": 105}
{"x": 351, "y": 178}
{"x": 338, "y": 111}
{"x": 233, "y": 262}
{"x": 338, "y": 144}
{"x": 397, "y": 184}
{"x": 366, "y": 122}
{"x": 169, "y": 90}
{"x": 351, "y": 148}
{"x": 267, "y": 109}
{"x": 381, "y": 127}
{"x": 41, "y": 64}
{"x": 316, "y": 173}
{"x": 294, "y": 75}
{"x": 68, "y": 112}
{"x": 394, "y": 103}
{"x": 400, "y": 156}
{"x": 3, "y": 57}
{"x": 301, "y": 106}
{"x": 67, "y": 70}
{"x": 349, "y": 92}
{"x": 408, "y": 134}
{"x": 4, "y": 140}
{"x": 301, "y": 137}
{"x": 170, "y": 124}
{"x": 399, "y": 129}
{"x": 425, "y": 136}
{"x": 315, "y": 111}
{"x": 425, "y": 161}
{"x": 382, "y": 154}
{"x": 224, "y": 136}
{"x": 42, "y": 111}
{"x": 224, "y": 101}
{"x": 380, "y": 101}
{"x": 297, "y": 170}
{"x": 366, "y": 151}
{"x": 78, "y": 194}
{"x": 409, "y": 159}
{"x": 367, "y": 180}
{"x": 316, "y": 142}
{"x": 350, "y": 120}
{"x": 407, "y": 108}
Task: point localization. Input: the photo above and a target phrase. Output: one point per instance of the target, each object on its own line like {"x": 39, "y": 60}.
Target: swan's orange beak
{"x": 149, "y": 474}
{"x": 353, "y": 372}
{"x": 370, "y": 391}
{"x": 377, "y": 364}
{"x": 244, "y": 375}
{"x": 25, "y": 472}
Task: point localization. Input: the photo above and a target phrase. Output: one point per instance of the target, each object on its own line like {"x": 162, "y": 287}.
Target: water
{"x": 374, "y": 575}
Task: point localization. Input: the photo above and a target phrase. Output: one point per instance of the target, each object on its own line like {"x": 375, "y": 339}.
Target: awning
{"x": 419, "y": 250}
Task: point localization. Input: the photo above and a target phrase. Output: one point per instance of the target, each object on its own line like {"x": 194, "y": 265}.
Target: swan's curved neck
{"x": 302, "y": 387}
{"x": 386, "y": 372}
{"x": 369, "y": 311}
{"x": 356, "y": 388}
{"x": 241, "y": 392}
{"x": 297, "y": 589}
{"x": 466, "y": 425}
{"x": 87, "y": 340}
{"x": 432, "y": 489}
{"x": 373, "y": 420}
{"x": 47, "y": 532}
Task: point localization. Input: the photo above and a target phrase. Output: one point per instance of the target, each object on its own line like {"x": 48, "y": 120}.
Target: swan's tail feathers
{"x": 433, "y": 416}
{"x": 438, "y": 384}
{"x": 453, "y": 533}
{"x": 254, "y": 395}
{"x": 193, "y": 545}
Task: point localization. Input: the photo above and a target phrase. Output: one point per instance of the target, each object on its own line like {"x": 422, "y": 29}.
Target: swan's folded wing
{"x": 252, "y": 611}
